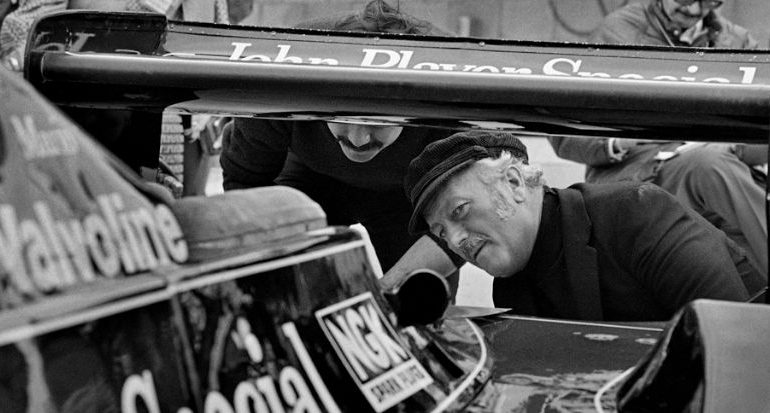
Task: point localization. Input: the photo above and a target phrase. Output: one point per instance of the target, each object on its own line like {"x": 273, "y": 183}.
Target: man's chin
{"x": 360, "y": 157}
{"x": 497, "y": 272}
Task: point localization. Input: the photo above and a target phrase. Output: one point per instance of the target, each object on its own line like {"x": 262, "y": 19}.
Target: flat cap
{"x": 443, "y": 158}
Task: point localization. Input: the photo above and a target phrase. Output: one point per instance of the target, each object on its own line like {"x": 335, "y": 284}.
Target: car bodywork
{"x": 109, "y": 304}
{"x": 290, "y": 300}
{"x": 96, "y": 318}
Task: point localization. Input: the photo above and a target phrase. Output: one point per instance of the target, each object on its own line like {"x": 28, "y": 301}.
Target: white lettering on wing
{"x": 549, "y": 68}
{"x": 239, "y": 50}
{"x": 385, "y": 58}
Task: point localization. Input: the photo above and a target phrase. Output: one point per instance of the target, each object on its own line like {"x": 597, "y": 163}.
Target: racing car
{"x": 117, "y": 298}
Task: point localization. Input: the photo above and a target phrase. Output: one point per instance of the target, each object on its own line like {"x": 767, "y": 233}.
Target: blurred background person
{"x": 716, "y": 180}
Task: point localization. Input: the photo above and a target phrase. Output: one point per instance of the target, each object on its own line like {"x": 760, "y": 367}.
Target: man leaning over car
{"x": 624, "y": 251}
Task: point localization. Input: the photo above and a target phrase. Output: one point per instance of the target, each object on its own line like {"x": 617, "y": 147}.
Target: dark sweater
{"x": 623, "y": 251}
{"x": 306, "y": 156}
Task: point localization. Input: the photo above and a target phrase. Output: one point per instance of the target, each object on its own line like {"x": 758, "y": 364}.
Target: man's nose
{"x": 695, "y": 9}
{"x": 456, "y": 236}
{"x": 359, "y": 135}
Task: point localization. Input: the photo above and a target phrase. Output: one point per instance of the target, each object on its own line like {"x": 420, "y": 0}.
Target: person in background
{"x": 694, "y": 23}
{"x": 716, "y": 180}
{"x": 353, "y": 169}
{"x": 623, "y": 251}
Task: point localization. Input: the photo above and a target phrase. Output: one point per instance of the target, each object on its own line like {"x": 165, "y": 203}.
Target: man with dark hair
{"x": 716, "y": 180}
{"x": 353, "y": 169}
{"x": 625, "y": 251}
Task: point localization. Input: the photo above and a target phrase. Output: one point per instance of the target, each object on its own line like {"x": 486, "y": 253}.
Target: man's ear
{"x": 515, "y": 180}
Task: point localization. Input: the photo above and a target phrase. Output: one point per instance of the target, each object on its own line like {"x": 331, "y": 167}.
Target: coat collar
{"x": 574, "y": 294}
{"x": 580, "y": 289}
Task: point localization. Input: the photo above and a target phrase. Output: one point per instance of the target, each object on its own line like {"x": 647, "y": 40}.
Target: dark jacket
{"x": 638, "y": 165}
{"x": 306, "y": 156}
{"x": 628, "y": 252}
{"x": 259, "y": 152}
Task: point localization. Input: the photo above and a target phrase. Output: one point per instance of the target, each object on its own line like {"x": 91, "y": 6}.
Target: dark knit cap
{"x": 441, "y": 159}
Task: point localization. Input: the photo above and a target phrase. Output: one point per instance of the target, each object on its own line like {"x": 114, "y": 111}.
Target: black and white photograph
{"x": 384, "y": 206}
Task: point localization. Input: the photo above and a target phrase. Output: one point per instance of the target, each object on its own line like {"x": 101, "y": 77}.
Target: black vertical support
{"x": 132, "y": 135}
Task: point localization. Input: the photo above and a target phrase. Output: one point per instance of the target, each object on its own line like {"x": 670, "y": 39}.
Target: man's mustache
{"x": 469, "y": 245}
{"x": 687, "y": 14}
{"x": 372, "y": 144}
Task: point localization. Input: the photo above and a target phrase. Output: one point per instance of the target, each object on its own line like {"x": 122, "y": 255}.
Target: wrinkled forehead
{"x": 460, "y": 184}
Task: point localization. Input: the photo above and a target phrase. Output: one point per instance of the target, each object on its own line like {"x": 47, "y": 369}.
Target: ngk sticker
{"x": 371, "y": 351}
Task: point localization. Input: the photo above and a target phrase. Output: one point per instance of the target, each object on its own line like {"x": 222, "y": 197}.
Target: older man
{"x": 597, "y": 252}
{"x": 713, "y": 179}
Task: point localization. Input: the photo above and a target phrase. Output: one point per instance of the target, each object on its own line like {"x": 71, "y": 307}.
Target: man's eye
{"x": 459, "y": 211}
{"x": 437, "y": 231}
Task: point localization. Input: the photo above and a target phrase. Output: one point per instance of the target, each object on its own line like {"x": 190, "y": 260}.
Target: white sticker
{"x": 371, "y": 351}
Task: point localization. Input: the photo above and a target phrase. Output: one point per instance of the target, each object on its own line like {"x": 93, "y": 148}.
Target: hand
{"x": 751, "y": 154}
{"x": 424, "y": 253}
{"x": 622, "y": 145}
{"x": 391, "y": 280}
{"x": 13, "y": 60}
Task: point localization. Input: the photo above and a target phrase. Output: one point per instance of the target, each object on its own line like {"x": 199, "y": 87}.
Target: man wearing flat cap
{"x": 624, "y": 251}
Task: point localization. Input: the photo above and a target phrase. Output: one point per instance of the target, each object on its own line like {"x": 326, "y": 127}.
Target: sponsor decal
{"x": 75, "y": 42}
{"x": 382, "y": 368}
{"x": 43, "y": 254}
{"x": 383, "y": 58}
{"x": 37, "y": 143}
{"x": 289, "y": 391}
{"x": 458, "y": 60}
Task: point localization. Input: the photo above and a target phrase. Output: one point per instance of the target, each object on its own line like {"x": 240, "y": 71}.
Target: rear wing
{"x": 144, "y": 62}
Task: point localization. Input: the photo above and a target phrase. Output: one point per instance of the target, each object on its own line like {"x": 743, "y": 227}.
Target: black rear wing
{"x": 143, "y": 62}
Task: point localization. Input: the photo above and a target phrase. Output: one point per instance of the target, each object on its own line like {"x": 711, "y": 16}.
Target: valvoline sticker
{"x": 374, "y": 356}
{"x": 66, "y": 216}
